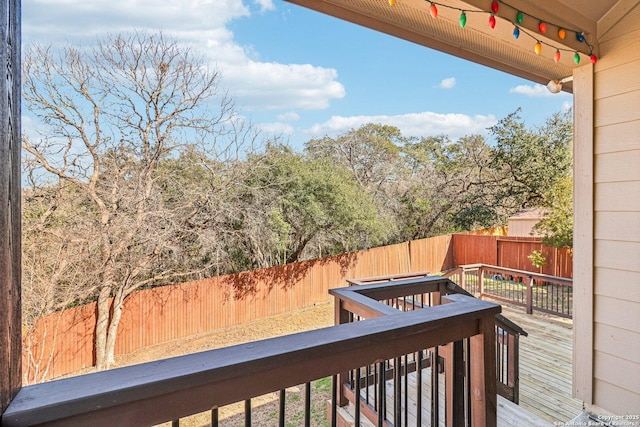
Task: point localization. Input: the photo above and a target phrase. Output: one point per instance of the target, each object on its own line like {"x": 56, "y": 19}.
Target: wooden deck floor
{"x": 546, "y": 365}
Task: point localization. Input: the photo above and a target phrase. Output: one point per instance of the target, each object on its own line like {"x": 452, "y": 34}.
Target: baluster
{"x": 357, "y": 399}
{"x": 283, "y": 398}
{"x": 435, "y": 394}
{"x": 215, "y": 421}
{"x": 307, "y": 405}
{"x": 334, "y": 401}
{"x": 247, "y": 413}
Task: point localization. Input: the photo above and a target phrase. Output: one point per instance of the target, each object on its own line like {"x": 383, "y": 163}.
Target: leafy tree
{"x": 112, "y": 118}
{"x": 449, "y": 188}
{"x": 557, "y": 227}
{"x": 530, "y": 162}
{"x": 298, "y": 206}
{"x": 370, "y": 153}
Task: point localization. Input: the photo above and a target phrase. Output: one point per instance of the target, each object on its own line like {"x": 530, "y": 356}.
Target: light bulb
{"x": 492, "y": 21}
{"x": 554, "y": 86}
{"x": 593, "y": 58}
{"x": 433, "y": 10}
{"x": 538, "y": 48}
{"x": 562, "y": 33}
{"x": 463, "y": 19}
{"x": 556, "y": 56}
{"x": 542, "y": 26}
{"x": 580, "y": 37}
{"x": 576, "y": 58}
{"x": 516, "y": 32}
{"x": 519, "y": 17}
{"x": 495, "y": 6}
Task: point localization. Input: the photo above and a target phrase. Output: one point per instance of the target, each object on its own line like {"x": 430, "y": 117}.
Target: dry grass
{"x": 264, "y": 408}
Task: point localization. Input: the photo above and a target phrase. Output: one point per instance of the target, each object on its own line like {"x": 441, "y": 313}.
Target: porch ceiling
{"x": 477, "y": 42}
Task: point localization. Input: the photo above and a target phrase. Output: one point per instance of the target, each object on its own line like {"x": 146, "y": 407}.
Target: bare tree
{"x": 113, "y": 118}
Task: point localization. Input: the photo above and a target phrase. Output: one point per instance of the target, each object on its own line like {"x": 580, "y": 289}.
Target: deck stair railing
{"x": 168, "y": 390}
{"x": 534, "y": 291}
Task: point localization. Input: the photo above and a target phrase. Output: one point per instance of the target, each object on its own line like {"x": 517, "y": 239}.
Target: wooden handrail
{"x": 558, "y": 301}
{"x": 545, "y": 277}
{"x": 168, "y": 389}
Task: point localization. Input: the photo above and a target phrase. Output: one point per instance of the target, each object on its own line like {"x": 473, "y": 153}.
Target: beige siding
{"x": 616, "y": 299}
{"x": 522, "y": 228}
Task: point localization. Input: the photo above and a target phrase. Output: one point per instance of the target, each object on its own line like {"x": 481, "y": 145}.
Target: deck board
{"x": 546, "y": 365}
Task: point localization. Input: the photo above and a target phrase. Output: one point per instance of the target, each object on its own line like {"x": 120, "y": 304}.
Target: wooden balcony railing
{"x": 366, "y": 388}
{"x": 534, "y": 291}
{"x": 170, "y": 389}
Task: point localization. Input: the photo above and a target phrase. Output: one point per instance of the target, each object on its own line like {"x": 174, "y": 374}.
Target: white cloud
{"x": 276, "y": 128}
{"x": 535, "y": 91}
{"x": 265, "y": 4}
{"x": 290, "y": 116}
{"x": 271, "y": 86}
{"x": 412, "y": 124}
{"x": 203, "y": 24}
{"x": 447, "y": 83}
{"x": 567, "y": 105}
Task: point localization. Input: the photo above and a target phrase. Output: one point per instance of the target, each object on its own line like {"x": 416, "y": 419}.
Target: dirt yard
{"x": 265, "y": 408}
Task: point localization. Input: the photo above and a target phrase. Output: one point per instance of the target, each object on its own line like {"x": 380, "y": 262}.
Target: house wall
{"x": 615, "y": 323}
{"x": 523, "y": 227}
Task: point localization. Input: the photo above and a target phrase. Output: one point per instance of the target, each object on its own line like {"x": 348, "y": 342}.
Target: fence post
{"x": 462, "y": 279}
{"x": 481, "y": 281}
{"x": 529, "y": 282}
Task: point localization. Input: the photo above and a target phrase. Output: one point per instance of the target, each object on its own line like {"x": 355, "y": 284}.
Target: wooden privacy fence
{"x": 511, "y": 252}
{"x": 62, "y": 342}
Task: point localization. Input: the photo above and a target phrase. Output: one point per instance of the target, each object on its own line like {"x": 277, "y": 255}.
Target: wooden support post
{"x": 454, "y": 383}
{"x": 10, "y": 209}
{"x": 436, "y": 297}
{"x": 462, "y": 278}
{"x": 529, "y": 282}
{"x": 481, "y": 281}
{"x": 341, "y": 317}
{"x": 483, "y": 375}
{"x": 513, "y": 363}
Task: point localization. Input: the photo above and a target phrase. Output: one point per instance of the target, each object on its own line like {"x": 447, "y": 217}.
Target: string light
{"x": 517, "y": 30}
{"x": 542, "y": 27}
{"x": 433, "y": 10}
{"x": 538, "y": 48}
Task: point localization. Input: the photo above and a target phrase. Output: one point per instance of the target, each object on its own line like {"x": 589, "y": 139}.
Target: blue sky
{"x": 301, "y": 74}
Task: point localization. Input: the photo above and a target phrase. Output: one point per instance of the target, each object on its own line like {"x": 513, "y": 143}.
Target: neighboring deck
{"x": 546, "y": 365}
